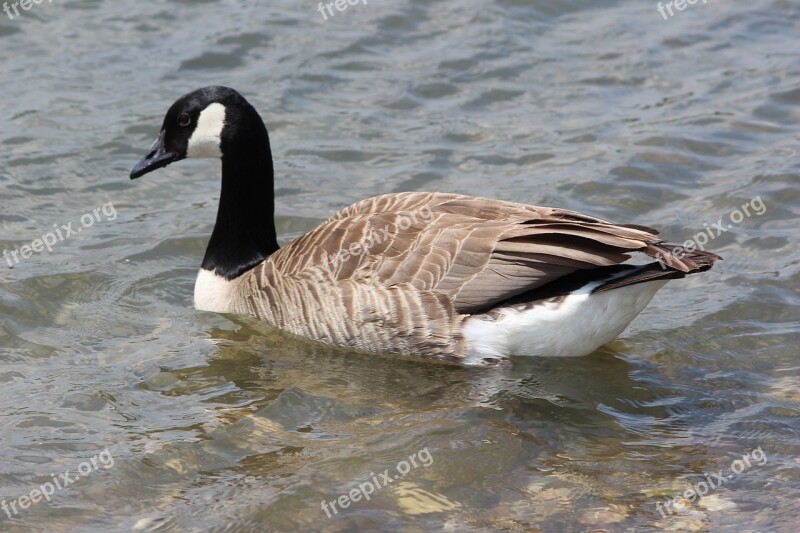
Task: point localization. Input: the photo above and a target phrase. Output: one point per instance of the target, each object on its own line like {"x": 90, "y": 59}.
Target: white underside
{"x": 574, "y": 327}
{"x": 214, "y": 293}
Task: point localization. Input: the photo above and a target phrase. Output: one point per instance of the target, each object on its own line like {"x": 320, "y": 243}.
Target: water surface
{"x": 219, "y": 423}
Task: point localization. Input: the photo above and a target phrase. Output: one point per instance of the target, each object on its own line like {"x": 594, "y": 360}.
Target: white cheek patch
{"x": 205, "y": 141}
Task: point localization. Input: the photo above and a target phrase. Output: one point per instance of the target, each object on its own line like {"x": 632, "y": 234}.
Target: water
{"x": 220, "y": 423}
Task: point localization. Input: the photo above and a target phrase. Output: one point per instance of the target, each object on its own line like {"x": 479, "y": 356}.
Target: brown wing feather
{"x": 475, "y": 250}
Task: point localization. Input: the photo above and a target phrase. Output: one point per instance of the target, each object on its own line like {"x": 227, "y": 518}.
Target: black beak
{"x": 156, "y": 158}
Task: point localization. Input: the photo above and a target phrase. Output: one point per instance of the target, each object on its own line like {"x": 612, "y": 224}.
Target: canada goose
{"x": 454, "y": 277}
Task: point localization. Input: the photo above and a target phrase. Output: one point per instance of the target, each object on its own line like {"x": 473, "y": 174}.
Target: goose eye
{"x": 184, "y": 119}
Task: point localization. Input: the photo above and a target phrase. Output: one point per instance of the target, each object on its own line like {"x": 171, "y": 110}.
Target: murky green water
{"x": 217, "y": 423}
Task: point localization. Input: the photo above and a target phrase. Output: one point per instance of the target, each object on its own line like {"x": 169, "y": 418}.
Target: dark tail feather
{"x": 674, "y": 262}
{"x": 678, "y": 258}
{"x": 639, "y": 274}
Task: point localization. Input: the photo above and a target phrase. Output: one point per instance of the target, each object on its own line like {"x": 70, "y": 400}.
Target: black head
{"x": 203, "y": 123}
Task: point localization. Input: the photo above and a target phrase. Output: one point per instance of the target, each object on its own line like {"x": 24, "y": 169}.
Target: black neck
{"x": 244, "y": 234}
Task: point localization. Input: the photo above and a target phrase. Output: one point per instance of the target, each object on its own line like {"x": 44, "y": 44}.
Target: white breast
{"x": 214, "y": 293}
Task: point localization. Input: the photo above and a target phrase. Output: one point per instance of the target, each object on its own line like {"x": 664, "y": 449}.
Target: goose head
{"x": 218, "y": 122}
{"x": 208, "y": 122}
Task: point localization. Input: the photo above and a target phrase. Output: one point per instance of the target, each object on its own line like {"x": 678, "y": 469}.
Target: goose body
{"x": 460, "y": 278}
